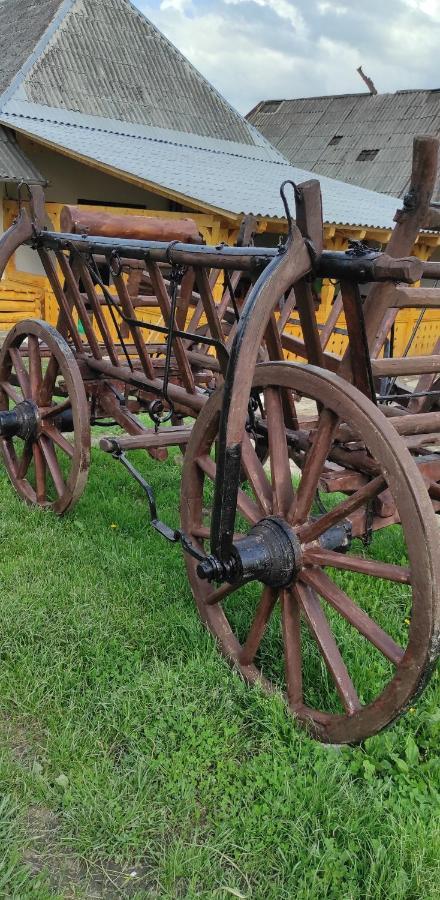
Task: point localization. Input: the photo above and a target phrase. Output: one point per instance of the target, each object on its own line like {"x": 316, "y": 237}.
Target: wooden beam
{"x": 409, "y": 365}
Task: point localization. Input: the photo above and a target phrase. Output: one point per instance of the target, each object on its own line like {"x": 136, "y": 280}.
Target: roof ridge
{"x": 260, "y": 105}
{"x": 63, "y": 9}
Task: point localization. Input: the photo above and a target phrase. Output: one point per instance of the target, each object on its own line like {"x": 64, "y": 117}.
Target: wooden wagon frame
{"x": 223, "y": 366}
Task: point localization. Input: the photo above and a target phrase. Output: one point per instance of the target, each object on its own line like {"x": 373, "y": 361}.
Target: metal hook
{"x": 20, "y": 187}
{"x": 169, "y": 250}
{"x": 115, "y": 264}
{"x": 296, "y": 191}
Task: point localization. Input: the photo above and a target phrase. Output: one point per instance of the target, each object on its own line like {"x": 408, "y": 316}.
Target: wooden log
{"x": 431, "y": 270}
{"x": 75, "y": 220}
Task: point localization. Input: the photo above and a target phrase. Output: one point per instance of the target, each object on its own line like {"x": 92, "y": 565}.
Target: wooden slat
{"x": 408, "y": 365}
{"x": 416, "y": 298}
{"x": 165, "y": 307}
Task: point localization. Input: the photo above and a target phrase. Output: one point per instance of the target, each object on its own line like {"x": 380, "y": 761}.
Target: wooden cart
{"x": 289, "y": 469}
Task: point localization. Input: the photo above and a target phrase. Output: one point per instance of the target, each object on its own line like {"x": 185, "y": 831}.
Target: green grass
{"x": 128, "y": 745}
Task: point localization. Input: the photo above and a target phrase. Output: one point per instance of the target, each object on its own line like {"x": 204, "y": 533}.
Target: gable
{"x": 106, "y": 59}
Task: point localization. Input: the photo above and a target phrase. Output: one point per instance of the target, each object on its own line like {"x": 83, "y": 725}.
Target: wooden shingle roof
{"x": 363, "y": 139}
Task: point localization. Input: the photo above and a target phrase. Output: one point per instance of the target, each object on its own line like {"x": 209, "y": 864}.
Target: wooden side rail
{"x": 408, "y": 365}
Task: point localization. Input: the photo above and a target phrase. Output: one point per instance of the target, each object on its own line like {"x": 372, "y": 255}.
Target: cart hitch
{"x": 270, "y": 553}
{"x": 173, "y": 535}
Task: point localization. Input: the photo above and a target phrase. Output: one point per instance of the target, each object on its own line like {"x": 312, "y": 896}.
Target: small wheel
{"x": 353, "y": 638}
{"x": 42, "y": 399}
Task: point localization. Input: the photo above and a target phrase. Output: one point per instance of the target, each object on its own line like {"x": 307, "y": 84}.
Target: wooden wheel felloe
{"x": 352, "y": 639}
{"x": 44, "y": 417}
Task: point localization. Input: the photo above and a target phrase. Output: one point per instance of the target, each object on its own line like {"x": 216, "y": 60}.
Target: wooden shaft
{"x": 176, "y": 393}
{"x": 166, "y": 437}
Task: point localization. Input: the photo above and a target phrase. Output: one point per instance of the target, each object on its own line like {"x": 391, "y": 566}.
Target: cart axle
{"x": 20, "y": 422}
{"x": 270, "y": 553}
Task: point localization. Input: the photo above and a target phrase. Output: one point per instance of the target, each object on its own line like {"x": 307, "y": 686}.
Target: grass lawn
{"x": 135, "y": 763}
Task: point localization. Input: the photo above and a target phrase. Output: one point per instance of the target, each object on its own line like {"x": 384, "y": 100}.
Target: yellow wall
{"x": 25, "y": 292}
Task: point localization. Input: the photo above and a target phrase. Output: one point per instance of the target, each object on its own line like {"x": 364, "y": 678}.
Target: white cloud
{"x": 282, "y": 8}
{"x": 252, "y": 50}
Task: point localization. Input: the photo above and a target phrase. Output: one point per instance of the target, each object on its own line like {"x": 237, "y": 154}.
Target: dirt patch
{"x": 68, "y": 874}
{"x": 22, "y": 739}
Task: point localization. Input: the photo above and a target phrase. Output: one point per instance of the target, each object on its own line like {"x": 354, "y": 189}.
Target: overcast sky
{"x": 253, "y": 50}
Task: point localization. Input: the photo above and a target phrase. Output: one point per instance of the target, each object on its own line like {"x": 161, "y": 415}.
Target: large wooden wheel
{"x": 44, "y": 417}
{"x": 352, "y": 639}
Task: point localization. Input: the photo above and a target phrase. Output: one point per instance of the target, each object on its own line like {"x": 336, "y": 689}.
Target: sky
{"x": 253, "y": 50}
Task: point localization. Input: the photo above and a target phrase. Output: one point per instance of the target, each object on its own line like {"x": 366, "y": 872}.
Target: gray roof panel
{"x": 387, "y": 122}
{"x": 14, "y": 164}
{"x": 229, "y": 176}
{"x": 110, "y": 59}
{"x": 22, "y": 24}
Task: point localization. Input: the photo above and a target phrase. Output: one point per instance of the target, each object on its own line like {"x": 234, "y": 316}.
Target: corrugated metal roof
{"x": 109, "y": 60}
{"x": 226, "y": 175}
{"x": 14, "y": 164}
{"x": 303, "y": 130}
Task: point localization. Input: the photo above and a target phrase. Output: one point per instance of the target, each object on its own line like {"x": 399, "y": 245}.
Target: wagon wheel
{"x": 352, "y": 639}
{"x": 42, "y": 399}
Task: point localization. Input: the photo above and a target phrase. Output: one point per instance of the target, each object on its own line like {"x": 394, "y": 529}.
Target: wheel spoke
{"x": 25, "y": 461}
{"x": 48, "y": 383}
{"x": 340, "y": 601}
{"x": 313, "y": 466}
{"x": 268, "y": 600}
{"x": 222, "y": 593}
{"x": 10, "y": 392}
{"x": 22, "y": 375}
{"x": 246, "y": 506}
{"x": 291, "y": 619}
{"x": 313, "y": 530}
{"x": 52, "y": 464}
{"x": 283, "y": 495}
{"x": 56, "y": 410}
{"x": 35, "y": 372}
{"x": 322, "y": 633}
{"x": 314, "y": 556}
{"x": 58, "y": 438}
{"x": 40, "y": 473}
{"x": 256, "y": 476}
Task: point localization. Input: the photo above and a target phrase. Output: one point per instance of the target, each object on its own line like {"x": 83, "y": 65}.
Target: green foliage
{"x": 151, "y": 753}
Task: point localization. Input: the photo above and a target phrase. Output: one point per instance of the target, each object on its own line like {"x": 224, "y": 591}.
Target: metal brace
{"x": 174, "y": 536}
